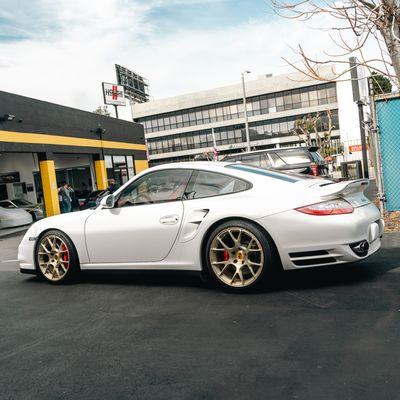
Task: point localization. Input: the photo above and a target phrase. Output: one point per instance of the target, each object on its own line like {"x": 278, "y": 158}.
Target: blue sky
{"x": 201, "y": 15}
{"x": 61, "y": 51}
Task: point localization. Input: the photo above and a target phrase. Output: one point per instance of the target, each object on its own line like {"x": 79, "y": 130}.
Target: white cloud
{"x": 91, "y": 36}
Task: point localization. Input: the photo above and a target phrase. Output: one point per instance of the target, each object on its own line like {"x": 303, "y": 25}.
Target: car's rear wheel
{"x": 56, "y": 257}
{"x": 238, "y": 256}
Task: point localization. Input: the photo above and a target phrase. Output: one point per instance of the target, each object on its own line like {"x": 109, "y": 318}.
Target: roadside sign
{"x": 113, "y": 94}
{"x": 355, "y": 147}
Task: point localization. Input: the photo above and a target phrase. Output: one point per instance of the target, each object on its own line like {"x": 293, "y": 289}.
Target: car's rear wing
{"x": 343, "y": 188}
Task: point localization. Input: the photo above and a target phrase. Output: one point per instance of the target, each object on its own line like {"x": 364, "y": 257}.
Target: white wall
{"x": 25, "y": 164}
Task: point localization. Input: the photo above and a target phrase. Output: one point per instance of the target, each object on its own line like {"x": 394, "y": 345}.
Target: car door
{"x": 144, "y": 224}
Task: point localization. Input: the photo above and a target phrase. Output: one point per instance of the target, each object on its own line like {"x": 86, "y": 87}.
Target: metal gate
{"x": 388, "y": 114}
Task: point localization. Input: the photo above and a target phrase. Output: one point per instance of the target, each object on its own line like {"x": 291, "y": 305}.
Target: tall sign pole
{"x": 360, "y": 104}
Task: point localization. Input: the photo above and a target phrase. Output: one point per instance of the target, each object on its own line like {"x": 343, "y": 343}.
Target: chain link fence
{"x": 388, "y": 126}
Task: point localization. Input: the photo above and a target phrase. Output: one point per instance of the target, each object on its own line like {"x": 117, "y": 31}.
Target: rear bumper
{"x": 310, "y": 241}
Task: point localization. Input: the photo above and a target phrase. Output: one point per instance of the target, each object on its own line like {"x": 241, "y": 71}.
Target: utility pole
{"x": 246, "y": 119}
{"x": 360, "y": 105}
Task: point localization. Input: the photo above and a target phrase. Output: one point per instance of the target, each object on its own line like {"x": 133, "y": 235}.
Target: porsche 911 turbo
{"x": 235, "y": 223}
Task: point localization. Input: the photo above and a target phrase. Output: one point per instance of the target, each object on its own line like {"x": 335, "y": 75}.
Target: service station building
{"x": 43, "y": 144}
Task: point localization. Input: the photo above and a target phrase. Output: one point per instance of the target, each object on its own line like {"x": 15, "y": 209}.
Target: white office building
{"x": 180, "y": 128}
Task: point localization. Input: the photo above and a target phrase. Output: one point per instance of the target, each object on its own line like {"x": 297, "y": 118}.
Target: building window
{"x": 311, "y": 96}
{"x": 122, "y": 168}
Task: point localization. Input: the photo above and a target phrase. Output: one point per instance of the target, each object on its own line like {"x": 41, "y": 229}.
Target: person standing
{"x": 66, "y": 203}
{"x": 71, "y": 192}
{"x": 112, "y": 185}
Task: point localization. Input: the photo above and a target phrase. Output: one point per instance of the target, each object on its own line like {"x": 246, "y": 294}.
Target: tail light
{"x": 330, "y": 207}
{"x": 314, "y": 169}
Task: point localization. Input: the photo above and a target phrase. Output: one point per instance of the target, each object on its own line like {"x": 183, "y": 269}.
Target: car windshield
{"x": 21, "y": 202}
{"x": 7, "y": 204}
{"x": 97, "y": 193}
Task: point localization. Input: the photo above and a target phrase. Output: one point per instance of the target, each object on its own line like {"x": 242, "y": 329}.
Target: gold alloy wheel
{"x": 236, "y": 257}
{"x": 53, "y": 257}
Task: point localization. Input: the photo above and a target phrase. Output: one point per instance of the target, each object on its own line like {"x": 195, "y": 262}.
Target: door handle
{"x": 170, "y": 219}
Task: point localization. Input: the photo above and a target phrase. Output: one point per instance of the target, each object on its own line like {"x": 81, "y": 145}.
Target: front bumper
{"x": 26, "y": 252}
{"x": 311, "y": 241}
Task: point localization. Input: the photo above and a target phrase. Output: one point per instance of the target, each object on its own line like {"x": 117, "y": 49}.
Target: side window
{"x": 207, "y": 184}
{"x": 155, "y": 187}
{"x": 252, "y": 159}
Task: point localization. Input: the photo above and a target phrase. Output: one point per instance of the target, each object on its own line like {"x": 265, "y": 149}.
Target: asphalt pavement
{"x": 329, "y": 333}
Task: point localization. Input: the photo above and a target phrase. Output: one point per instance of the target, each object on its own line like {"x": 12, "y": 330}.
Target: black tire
{"x": 73, "y": 269}
{"x": 269, "y": 257}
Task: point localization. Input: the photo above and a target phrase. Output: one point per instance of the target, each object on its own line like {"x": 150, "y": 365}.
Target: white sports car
{"x": 234, "y": 222}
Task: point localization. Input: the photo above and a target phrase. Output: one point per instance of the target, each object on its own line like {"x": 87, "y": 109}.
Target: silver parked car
{"x": 13, "y": 217}
{"x": 36, "y": 210}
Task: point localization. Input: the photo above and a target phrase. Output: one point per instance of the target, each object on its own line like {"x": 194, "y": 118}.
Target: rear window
{"x": 296, "y": 156}
{"x": 268, "y": 173}
{"x": 316, "y": 156}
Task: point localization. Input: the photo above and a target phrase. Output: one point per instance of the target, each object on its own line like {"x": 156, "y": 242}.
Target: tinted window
{"x": 270, "y": 174}
{"x": 155, "y": 187}
{"x": 252, "y": 159}
{"x": 297, "y": 156}
{"x": 6, "y": 204}
{"x": 207, "y": 184}
{"x": 21, "y": 202}
{"x": 316, "y": 156}
{"x": 233, "y": 158}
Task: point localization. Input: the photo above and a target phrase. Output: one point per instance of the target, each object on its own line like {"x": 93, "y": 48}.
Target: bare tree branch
{"x": 356, "y": 23}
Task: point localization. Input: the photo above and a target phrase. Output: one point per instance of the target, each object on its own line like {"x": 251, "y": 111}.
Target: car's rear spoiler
{"x": 343, "y": 188}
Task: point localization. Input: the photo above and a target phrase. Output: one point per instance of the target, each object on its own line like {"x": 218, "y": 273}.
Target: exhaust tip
{"x": 360, "y": 248}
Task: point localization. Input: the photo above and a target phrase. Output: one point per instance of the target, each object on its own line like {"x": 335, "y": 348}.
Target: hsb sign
{"x": 113, "y": 94}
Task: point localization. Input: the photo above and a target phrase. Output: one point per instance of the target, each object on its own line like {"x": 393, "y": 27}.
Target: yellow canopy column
{"x": 141, "y": 165}
{"x": 100, "y": 172}
{"x": 49, "y": 185}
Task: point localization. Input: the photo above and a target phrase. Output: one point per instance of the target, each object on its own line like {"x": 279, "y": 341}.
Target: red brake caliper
{"x": 64, "y": 256}
{"x": 226, "y": 255}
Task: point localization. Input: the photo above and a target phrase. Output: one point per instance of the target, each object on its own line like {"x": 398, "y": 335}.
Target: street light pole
{"x": 246, "y": 119}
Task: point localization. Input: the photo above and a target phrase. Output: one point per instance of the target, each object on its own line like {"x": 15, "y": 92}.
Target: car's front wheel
{"x": 238, "y": 256}
{"x": 56, "y": 257}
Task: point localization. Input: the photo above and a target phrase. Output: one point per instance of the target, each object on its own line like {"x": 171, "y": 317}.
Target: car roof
{"x": 309, "y": 148}
{"x": 240, "y": 170}
{"x": 204, "y": 165}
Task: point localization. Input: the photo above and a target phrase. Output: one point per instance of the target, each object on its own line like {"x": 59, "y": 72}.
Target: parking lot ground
{"x": 331, "y": 333}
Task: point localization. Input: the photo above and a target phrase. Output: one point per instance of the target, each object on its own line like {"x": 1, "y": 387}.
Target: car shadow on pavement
{"x": 329, "y": 276}
{"x": 347, "y": 274}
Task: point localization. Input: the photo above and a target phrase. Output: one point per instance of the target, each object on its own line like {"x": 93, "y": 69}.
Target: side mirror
{"x": 107, "y": 201}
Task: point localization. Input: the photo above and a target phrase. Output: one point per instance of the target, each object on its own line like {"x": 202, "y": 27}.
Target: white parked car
{"x": 234, "y": 222}
{"x": 36, "y": 210}
{"x": 14, "y": 217}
